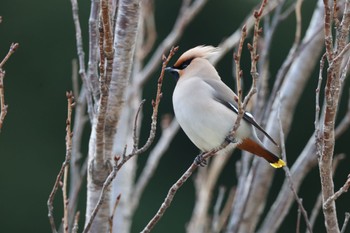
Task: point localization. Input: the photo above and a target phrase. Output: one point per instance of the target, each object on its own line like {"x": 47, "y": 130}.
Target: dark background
{"x": 32, "y": 141}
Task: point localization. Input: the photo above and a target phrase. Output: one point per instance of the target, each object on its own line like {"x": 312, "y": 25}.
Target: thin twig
{"x": 216, "y": 215}
{"x": 254, "y": 57}
{"x": 65, "y": 200}
{"x": 289, "y": 176}
{"x": 75, "y": 81}
{"x": 318, "y": 89}
{"x": 315, "y": 210}
{"x": 168, "y": 133}
{"x": 337, "y": 194}
{"x": 155, "y": 105}
{"x": 76, "y": 223}
{"x": 226, "y": 211}
{"x": 298, "y": 219}
{"x": 13, "y": 48}
{"x": 81, "y": 58}
{"x": 238, "y": 71}
{"x": 3, "y": 106}
{"x": 116, "y": 203}
{"x": 70, "y": 99}
{"x": 346, "y": 221}
{"x": 69, "y": 135}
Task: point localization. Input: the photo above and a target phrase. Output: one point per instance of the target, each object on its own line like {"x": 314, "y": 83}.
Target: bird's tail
{"x": 259, "y": 150}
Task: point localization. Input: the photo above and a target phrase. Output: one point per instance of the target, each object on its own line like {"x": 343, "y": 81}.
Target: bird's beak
{"x": 173, "y": 71}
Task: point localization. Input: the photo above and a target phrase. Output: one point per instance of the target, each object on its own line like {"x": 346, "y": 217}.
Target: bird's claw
{"x": 230, "y": 139}
{"x": 200, "y": 161}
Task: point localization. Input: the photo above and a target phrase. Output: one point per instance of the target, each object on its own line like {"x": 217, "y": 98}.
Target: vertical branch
{"x": 328, "y": 30}
{"x": 68, "y": 156}
{"x": 124, "y": 43}
{"x": 332, "y": 98}
{"x": 63, "y": 171}
{"x": 93, "y": 48}
{"x": 81, "y": 57}
{"x": 238, "y": 71}
{"x": 76, "y": 223}
{"x": 106, "y": 66}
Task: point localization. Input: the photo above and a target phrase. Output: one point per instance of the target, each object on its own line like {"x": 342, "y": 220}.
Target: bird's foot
{"x": 230, "y": 139}
{"x": 200, "y": 161}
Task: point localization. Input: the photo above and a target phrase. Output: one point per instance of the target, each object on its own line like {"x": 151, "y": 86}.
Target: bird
{"x": 206, "y": 108}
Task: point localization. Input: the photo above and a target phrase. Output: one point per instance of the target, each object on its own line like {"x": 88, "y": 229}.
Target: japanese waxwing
{"x": 206, "y": 108}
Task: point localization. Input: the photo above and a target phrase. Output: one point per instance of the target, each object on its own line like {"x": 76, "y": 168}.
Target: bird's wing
{"x": 227, "y": 97}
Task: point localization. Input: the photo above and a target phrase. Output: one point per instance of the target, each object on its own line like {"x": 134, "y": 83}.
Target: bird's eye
{"x": 185, "y": 64}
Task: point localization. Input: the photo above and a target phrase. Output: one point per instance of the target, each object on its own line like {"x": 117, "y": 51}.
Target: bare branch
{"x": 81, "y": 58}
{"x": 318, "y": 89}
{"x": 289, "y": 176}
{"x": 238, "y": 71}
{"x": 205, "y": 183}
{"x": 346, "y": 221}
{"x": 169, "y": 198}
{"x": 116, "y": 203}
{"x": 77, "y": 167}
{"x": 3, "y": 106}
{"x": 337, "y": 194}
{"x": 13, "y": 48}
{"x": 76, "y": 223}
{"x": 64, "y": 167}
{"x": 215, "y": 225}
{"x": 298, "y": 219}
{"x": 154, "y": 117}
{"x": 332, "y": 92}
{"x": 93, "y": 56}
{"x": 155, "y": 155}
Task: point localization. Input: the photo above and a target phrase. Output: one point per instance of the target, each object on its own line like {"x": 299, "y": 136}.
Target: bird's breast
{"x": 204, "y": 120}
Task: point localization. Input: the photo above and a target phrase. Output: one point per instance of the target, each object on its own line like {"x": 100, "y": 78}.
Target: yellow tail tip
{"x": 280, "y": 163}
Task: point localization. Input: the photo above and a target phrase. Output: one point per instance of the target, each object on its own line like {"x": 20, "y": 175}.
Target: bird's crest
{"x": 201, "y": 51}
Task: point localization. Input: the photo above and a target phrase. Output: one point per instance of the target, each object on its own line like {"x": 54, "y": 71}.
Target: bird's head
{"x": 194, "y": 62}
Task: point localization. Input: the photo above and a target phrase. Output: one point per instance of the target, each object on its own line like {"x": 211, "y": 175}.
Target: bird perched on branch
{"x": 206, "y": 108}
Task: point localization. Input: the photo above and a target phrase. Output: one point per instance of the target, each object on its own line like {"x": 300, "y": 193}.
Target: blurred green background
{"x": 32, "y": 141}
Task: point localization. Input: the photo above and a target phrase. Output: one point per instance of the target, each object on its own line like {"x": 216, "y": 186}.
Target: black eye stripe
{"x": 184, "y": 64}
